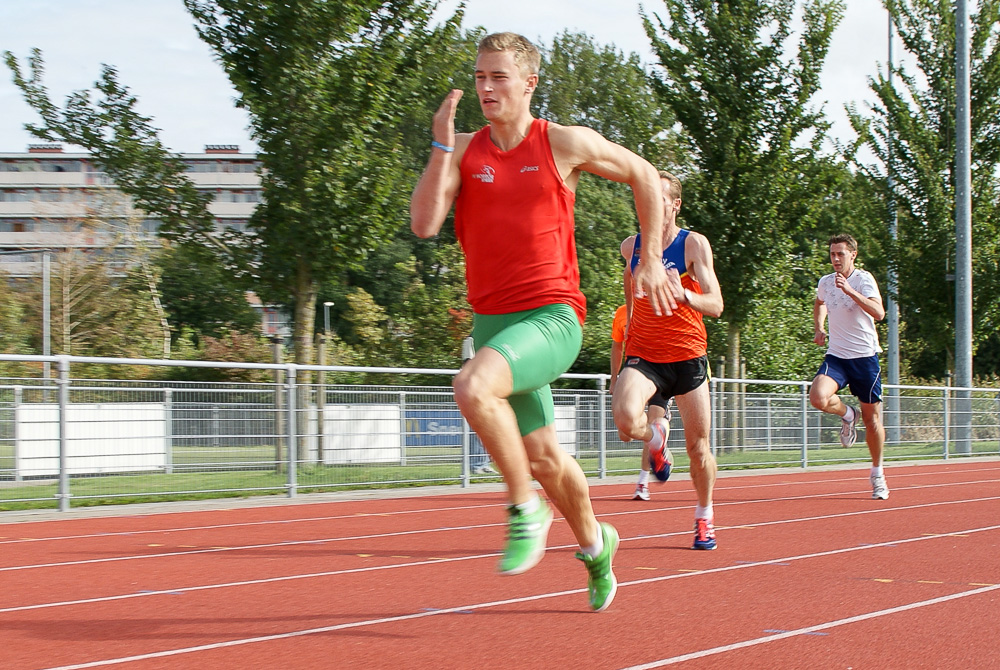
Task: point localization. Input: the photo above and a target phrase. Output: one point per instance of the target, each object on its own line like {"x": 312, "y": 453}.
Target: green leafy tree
{"x": 913, "y": 121}
{"x": 201, "y": 295}
{"x": 14, "y": 329}
{"x": 598, "y": 86}
{"x": 325, "y": 85}
{"x": 752, "y": 136}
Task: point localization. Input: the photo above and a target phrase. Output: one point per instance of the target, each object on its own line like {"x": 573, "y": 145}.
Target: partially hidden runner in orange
{"x": 667, "y": 354}
{"x": 658, "y": 410}
{"x": 513, "y": 185}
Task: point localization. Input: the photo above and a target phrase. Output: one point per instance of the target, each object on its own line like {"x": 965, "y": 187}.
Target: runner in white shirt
{"x": 850, "y": 299}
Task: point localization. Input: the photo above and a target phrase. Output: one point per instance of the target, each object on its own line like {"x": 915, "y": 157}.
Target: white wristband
{"x": 687, "y": 296}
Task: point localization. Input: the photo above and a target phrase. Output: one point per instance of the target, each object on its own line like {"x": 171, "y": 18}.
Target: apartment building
{"x": 61, "y": 201}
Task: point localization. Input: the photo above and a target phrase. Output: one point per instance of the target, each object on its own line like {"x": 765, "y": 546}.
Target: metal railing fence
{"x": 80, "y": 439}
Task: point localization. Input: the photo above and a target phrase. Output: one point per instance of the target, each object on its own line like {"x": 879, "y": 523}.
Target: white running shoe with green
{"x": 602, "y": 585}
{"x": 526, "y": 536}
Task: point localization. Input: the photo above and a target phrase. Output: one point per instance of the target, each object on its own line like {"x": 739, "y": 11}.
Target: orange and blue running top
{"x": 666, "y": 339}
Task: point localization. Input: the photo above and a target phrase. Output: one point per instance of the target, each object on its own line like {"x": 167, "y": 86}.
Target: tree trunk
{"x": 302, "y": 330}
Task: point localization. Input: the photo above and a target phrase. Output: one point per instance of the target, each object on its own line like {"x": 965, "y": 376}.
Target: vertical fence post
{"x": 805, "y": 424}
{"x": 602, "y": 426}
{"x": 320, "y": 399}
{"x": 63, "y": 382}
{"x": 402, "y": 427}
{"x": 713, "y": 438}
{"x": 292, "y": 390}
{"x": 767, "y": 421}
{"x": 17, "y": 434}
{"x": 947, "y": 420}
{"x": 279, "y": 401}
{"x": 168, "y": 430}
{"x": 466, "y": 451}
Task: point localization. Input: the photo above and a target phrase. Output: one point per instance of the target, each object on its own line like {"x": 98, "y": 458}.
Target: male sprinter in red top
{"x": 667, "y": 354}
{"x": 513, "y": 187}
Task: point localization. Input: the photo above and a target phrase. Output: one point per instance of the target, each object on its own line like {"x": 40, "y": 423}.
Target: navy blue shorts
{"x": 863, "y": 375}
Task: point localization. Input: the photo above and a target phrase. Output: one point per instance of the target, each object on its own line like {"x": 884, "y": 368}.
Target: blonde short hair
{"x": 526, "y": 55}
{"x": 675, "y": 184}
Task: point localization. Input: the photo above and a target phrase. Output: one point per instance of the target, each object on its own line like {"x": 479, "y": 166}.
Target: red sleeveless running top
{"x": 514, "y": 220}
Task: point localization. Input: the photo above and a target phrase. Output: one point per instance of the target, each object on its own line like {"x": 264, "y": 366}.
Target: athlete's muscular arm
{"x": 701, "y": 265}
{"x": 439, "y": 184}
{"x": 576, "y": 148}
{"x": 819, "y": 318}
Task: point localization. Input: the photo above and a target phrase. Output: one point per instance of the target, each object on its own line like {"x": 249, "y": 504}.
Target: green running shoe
{"x": 526, "y": 535}
{"x": 602, "y": 584}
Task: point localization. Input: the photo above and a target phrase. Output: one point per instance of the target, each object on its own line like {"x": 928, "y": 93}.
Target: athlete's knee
{"x": 699, "y": 451}
{"x": 470, "y": 393}
{"x": 546, "y": 460}
{"x": 819, "y": 400}
{"x": 629, "y": 422}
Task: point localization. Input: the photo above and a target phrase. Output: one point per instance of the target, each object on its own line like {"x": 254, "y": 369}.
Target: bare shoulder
{"x": 462, "y": 141}
{"x": 570, "y": 141}
{"x": 698, "y": 244}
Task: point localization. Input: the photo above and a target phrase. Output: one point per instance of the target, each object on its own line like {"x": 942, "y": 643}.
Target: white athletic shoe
{"x": 880, "y": 491}
{"x": 849, "y": 429}
{"x": 484, "y": 470}
{"x": 641, "y": 492}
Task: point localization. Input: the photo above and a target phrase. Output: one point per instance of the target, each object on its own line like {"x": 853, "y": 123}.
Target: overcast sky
{"x": 153, "y": 45}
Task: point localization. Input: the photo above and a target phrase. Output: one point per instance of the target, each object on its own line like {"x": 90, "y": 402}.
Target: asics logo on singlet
{"x": 485, "y": 175}
{"x": 529, "y": 168}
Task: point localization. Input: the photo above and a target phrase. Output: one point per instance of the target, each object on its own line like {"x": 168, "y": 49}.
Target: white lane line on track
{"x": 242, "y": 524}
{"x": 558, "y": 594}
{"x": 324, "y": 540}
{"x": 810, "y": 629}
{"x": 644, "y": 510}
{"x": 433, "y": 510}
{"x": 334, "y": 573}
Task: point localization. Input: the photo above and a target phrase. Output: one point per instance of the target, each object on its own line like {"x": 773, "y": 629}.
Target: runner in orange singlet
{"x": 513, "y": 186}
{"x": 667, "y": 354}
{"x": 658, "y": 408}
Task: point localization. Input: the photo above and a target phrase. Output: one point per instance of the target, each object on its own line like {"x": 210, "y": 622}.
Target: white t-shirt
{"x": 851, "y": 329}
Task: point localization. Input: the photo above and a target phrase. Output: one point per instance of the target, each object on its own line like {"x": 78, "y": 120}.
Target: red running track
{"x": 810, "y": 573}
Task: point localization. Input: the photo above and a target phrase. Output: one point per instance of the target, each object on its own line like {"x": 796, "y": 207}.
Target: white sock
{"x": 657, "y": 439}
{"x": 643, "y": 476}
{"x": 594, "y": 549}
{"x": 877, "y": 471}
{"x": 849, "y": 414}
{"x": 530, "y": 506}
{"x": 704, "y": 512}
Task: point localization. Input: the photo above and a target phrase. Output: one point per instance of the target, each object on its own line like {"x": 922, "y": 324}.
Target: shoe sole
{"x": 534, "y": 558}
{"x": 704, "y": 548}
{"x": 639, "y": 497}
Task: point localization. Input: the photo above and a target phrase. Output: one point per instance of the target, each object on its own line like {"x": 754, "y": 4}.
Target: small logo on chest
{"x": 529, "y": 168}
{"x": 486, "y": 175}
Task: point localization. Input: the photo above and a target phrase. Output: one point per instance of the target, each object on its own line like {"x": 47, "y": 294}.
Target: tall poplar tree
{"x": 911, "y": 130}
{"x": 754, "y": 139}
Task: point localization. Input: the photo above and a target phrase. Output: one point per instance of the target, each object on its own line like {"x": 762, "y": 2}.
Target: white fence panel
{"x": 100, "y": 438}
{"x": 362, "y": 434}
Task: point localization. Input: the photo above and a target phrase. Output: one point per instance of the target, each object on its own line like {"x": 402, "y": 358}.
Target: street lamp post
{"x": 326, "y": 317}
